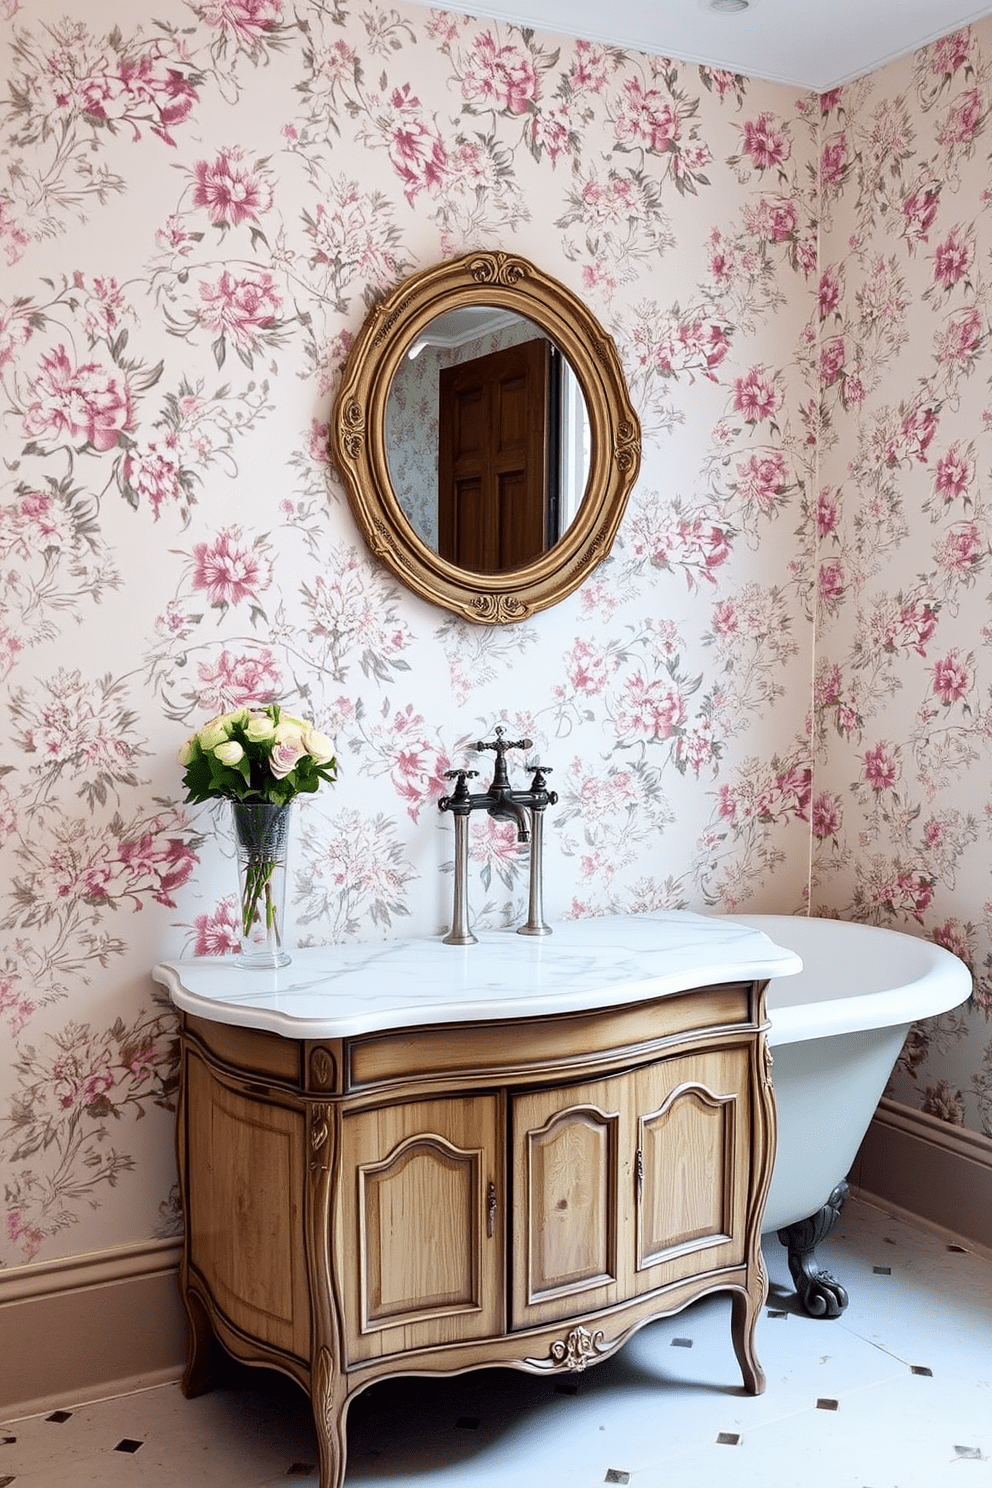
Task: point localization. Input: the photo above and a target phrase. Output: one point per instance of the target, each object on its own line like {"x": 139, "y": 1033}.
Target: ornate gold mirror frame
{"x": 359, "y": 447}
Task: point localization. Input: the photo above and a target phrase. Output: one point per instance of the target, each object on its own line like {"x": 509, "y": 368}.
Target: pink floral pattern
{"x": 200, "y": 206}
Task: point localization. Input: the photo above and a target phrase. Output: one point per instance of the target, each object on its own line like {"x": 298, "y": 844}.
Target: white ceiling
{"x": 815, "y": 44}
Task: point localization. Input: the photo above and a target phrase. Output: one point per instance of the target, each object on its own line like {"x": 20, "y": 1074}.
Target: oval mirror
{"x": 486, "y": 438}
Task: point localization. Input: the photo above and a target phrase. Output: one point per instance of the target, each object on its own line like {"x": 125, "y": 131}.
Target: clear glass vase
{"x": 261, "y": 842}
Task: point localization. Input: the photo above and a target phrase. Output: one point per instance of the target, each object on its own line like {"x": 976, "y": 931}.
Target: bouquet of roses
{"x": 259, "y": 758}
{"x": 256, "y": 754}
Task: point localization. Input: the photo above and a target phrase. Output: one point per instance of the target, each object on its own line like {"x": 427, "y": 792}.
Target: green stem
{"x": 258, "y": 882}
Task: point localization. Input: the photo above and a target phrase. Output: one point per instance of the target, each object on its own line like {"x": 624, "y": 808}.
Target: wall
{"x": 904, "y": 646}
{"x": 199, "y": 201}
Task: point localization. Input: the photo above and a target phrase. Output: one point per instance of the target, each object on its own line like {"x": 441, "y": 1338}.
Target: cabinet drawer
{"x": 509, "y": 1050}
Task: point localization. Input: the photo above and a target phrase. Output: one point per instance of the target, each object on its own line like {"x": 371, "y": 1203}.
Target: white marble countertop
{"x": 340, "y": 991}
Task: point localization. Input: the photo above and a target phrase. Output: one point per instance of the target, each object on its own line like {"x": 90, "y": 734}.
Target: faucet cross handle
{"x": 459, "y": 800}
{"x": 501, "y": 745}
{"x": 539, "y": 793}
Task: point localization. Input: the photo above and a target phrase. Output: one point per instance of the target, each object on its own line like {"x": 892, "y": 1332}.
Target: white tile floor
{"x": 897, "y": 1393}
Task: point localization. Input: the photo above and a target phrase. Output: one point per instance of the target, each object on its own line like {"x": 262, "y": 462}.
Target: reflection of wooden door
{"x": 492, "y": 463}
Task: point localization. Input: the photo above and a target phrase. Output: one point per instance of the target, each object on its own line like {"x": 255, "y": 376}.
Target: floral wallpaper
{"x": 904, "y": 644}
{"x": 198, "y": 203}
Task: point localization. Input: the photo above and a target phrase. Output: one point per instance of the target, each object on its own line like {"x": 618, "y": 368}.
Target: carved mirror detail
{"x": 461, "y": 529}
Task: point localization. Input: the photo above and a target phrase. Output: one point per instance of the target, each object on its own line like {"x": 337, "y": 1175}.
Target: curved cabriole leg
{"x": 328, "y": 1386}
{"x": 329, "y": 1408}
{"x": 820, "y": 1293}
{"x": 746, "y": 1309}
{"x": 198, "y": 1375}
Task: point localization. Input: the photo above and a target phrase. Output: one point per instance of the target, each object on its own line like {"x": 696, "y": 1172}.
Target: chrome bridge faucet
{"x": 524, "y": 807}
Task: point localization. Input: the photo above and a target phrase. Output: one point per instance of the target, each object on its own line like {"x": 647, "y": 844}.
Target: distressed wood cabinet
{"x": 447, "y": 1195}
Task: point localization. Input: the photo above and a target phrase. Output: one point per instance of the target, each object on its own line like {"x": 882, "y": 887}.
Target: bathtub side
{"x": 837, "y": 1028}
{"x": 826, "y": 1092}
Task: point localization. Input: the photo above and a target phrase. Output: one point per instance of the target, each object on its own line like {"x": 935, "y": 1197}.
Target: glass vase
{"x": 261, "y": 841}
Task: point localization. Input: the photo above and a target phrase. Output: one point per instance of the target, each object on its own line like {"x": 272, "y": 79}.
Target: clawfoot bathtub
{"x": 837, "y": 1029}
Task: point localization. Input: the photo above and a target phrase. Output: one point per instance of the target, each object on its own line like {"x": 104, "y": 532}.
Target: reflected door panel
{"x": 493, "y": 459}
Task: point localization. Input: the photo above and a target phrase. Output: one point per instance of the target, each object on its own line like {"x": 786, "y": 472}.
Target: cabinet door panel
{"x": 570, "y": 1231}
{"x": 245, "y": 1208}
{"x": 421, "y": 1264}
{"x": 693, "y": 1165}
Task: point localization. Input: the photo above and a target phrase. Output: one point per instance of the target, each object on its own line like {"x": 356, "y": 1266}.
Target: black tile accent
{"x": 681, "y": 1343}
{"x": 882, "y": 1270}
{"x": 128, "y": 1444}
{"x": 616, "y": 1475}
{"x": 920, "y": 1369}
{"x": 824, "y": 1404}
{"x": 468, "y": 1423}
{"x": 59, "y": 1416}
{"x": 729, "y": 1439}
{"x": 7, "y": 1441}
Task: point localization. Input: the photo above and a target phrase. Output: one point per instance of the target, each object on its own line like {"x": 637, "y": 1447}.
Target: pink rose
{"x": 288, "y": 750}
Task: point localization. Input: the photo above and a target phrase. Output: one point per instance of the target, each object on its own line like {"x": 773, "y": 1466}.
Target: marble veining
{"x": 339, "y": 991}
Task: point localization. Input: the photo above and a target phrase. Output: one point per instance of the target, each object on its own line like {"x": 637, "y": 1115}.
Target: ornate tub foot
{"x": 820, "y": 1293}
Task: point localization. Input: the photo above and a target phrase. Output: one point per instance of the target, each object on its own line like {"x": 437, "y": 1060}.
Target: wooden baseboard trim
{"x": 90, "y": 1326}
{"x": 929, "y": 1169}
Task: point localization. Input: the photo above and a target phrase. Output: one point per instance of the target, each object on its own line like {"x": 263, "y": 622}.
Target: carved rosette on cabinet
{"x": 452, "y": 1197}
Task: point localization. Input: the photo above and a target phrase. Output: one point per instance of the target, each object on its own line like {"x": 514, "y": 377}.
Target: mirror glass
{"x": 487, "y": 438}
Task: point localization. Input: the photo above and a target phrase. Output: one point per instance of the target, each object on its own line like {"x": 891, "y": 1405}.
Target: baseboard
{"x": 90, "y": 1326}
{"x": 927, "y": 1168}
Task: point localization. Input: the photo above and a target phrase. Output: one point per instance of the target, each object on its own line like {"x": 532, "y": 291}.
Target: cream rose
{"x": 230, "y": 753}
{"x": 318, "y": 745}
{"x": 260, "y": 728}
{"x": 217, "y": 731}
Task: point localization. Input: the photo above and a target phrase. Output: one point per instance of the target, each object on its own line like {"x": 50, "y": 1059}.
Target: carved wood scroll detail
{"x": 498, "y": 268}
{"x": 322, "y": 1069}
{"x": 498, "y": 609}
{"x": 319, "y": 1133}
{"x": 578, "y": 1349}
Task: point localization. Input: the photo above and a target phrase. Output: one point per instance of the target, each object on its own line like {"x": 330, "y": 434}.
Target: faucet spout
{"x": 507, "y": 809}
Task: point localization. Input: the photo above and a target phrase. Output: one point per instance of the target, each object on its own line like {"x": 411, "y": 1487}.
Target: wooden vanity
{"x": 414, "y": 1157}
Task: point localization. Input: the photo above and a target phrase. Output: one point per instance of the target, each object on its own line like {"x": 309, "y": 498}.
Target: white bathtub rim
{"x": 941, "y": 982}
